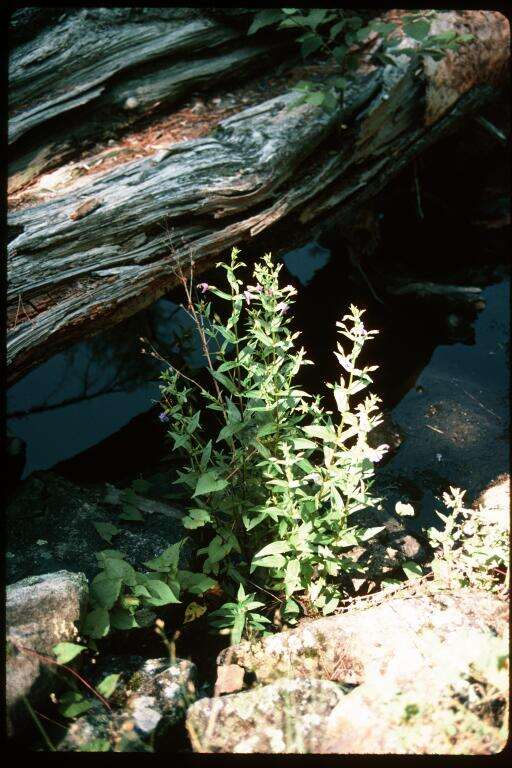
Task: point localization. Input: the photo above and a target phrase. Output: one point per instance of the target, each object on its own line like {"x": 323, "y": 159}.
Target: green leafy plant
{"x": 273, "y": 485}
{"x": 342, "y": 37}
{"x": 122, "y": 597}
{"x": 240, "y": 615}
{"x": 473, "y": 547}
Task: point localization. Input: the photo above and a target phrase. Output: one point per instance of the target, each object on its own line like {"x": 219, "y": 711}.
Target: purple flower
{"x": 256, "y": 288}
{"x": 248, "y": 296}
{"x": 163, "y": 416}
{"x": 203, "y": 286}
{"x": 282, "y": 308}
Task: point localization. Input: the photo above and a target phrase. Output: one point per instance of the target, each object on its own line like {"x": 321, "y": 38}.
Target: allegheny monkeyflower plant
{"x": 272, "y": 477}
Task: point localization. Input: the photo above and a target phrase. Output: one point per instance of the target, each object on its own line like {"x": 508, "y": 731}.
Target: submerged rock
{"x": 50, "y": 526}
{"x": 282, "y": 717}
{"x": 151, "y": 698}
{"x": 41, "y": 611}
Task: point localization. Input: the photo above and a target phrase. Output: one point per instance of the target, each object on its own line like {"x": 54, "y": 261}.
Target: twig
{"x": 491, "y": 128}
{"x": 418, "y": 193}
{"x": 39, "y": 726}
{"x": 356, "y": 263}
{"x": 482, "y": 405}
{"x": 48, "y": 660}
{"x": 434, "y": 429}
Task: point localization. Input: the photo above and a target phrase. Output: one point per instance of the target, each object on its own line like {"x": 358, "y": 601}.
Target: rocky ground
{"x": 419, "y": 670}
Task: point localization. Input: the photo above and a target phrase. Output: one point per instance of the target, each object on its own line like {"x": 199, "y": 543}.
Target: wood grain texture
{"x": 271, "y": 168}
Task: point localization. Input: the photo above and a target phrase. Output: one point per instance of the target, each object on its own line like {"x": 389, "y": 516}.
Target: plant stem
{"x": 39, "y": 727}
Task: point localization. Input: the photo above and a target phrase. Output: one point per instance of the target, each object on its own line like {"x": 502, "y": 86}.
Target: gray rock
{"x": 50, "y": 526}
{"x": 427, "y": 675}
{"x": 384, "y": 553}
{"x": 347, "y": 648}
{"x": 41, "y": 611}
{"x": 283, "y": 717}
{"x": 150, "y": 700}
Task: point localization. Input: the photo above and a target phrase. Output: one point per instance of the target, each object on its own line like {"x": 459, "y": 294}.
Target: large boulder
{"x": 443, "y": 705}
{"x": 149, "y": 702}
{"x": 412, "y": 629}
{"x": 41, "y": 611}
{"x": 424, "y": 672}
{"x": 282, "y": 717}
{"x": 50, "y": 526}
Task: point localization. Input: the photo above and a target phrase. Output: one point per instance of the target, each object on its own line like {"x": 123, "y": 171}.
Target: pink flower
{"x": 282, "y": 308}
{"x": 248, "y": 296}
{"x": 203, "y": 286}
{"x": 256, "y": 288}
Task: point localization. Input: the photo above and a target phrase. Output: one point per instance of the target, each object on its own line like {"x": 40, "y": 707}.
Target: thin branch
{"x": 48, "y": 660}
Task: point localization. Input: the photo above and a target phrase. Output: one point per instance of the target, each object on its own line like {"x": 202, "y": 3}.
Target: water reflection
{"x": 80, "y": 396}
{"x": 303, "y": 263}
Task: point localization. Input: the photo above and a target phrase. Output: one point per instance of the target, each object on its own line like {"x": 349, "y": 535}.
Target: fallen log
{"x": 105, "y": 68}
{"x": 96, "y": 254}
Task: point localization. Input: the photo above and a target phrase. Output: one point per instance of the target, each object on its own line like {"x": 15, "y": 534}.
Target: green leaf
{"x": 108, "y": 685}
{"x": 97, "y": 623}
{"x": 119, "y": 569}
{"x": 323, "y": 433}
{"x": 336, "y": 29}
{"x": 106, "y": 554}
{"x": 276, "y": 547}
{"x": 131, "y": 513}
{"x": 317, "y": 98}
{"x": 412, "y": 570}
{"x": 264, "y": 19}
{"x": 339, "y": 53}
{"x": 267, "y": 429}
{"x": 300, "y": 443}
{"x": 196, "y": 518}
{"x": 270, "y": 561}
{"x": 330, "y": 606}
{"x": 168, "y": 560}
{"x": 65, "y": 652}
{"x": 73, "y": 704}
{"x": 120, "y": 618}
{"x": 310, "y": 44}
{"x": 370, "y": 532}
{"x": 418, "y": 29}
{"x": 209, "y": 482}
{"x": 238, "y": 628}
{"x": 196, "y": 583}
{"x": 105, "y": 589}
{"x": 106, "y": 530}
{"x": 96, "y": 745}
{"x": 161, "y": 593}
{"x": 226, "y": 382}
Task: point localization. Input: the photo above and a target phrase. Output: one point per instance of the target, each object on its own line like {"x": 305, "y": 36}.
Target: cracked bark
{"x": 98, "y": 252}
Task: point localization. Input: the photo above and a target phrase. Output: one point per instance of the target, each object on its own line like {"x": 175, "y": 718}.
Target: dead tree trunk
{"x": 99, "y": 251}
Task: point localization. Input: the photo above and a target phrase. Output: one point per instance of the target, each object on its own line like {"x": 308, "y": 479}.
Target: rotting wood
{"x": 266, "y": 170}
{"x": 105, "y": 68}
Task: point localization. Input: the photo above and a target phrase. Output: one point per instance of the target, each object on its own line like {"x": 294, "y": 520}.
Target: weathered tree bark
{"x": 104, "y": 68}
{"x": 100, "y": 252}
